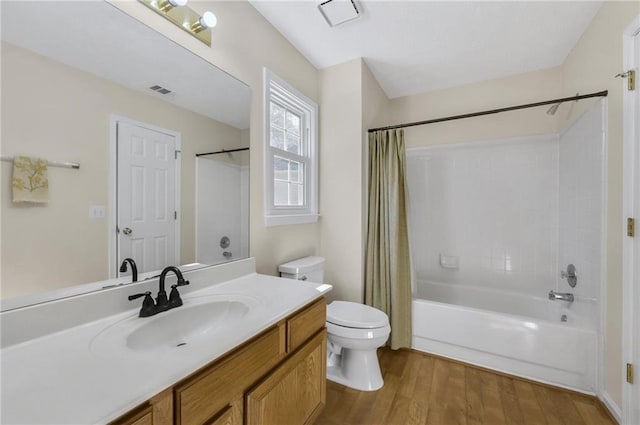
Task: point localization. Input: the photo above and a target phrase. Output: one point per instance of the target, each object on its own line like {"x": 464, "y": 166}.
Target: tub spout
{"x": 560, "y": 296}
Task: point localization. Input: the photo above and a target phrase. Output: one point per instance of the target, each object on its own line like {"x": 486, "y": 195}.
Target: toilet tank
{"x": 308, "y": 268}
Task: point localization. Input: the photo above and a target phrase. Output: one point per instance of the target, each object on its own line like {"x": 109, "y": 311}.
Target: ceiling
{"x": 419, "y": 46}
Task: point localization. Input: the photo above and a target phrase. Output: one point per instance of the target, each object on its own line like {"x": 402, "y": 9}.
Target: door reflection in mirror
{"x": 148, "y": 197}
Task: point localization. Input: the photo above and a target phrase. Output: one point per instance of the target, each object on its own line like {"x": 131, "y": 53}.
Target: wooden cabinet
{"x": 304, "y": 324}
{"x": 157, "y": 411}
{"x": 140, "y": 416}
{"x": 295, "y": 392}
{"x": 278, "y": 377}
{"x": 232, "y": 414}
{"x": 202, "y": 396}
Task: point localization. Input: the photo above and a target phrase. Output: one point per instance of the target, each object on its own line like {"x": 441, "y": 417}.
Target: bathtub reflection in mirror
{"x": 222, "y": 206}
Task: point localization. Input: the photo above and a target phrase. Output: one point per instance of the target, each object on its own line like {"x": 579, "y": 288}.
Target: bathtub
{"x": 535, "y": 338}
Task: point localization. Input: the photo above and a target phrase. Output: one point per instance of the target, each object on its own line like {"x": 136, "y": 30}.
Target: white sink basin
{"x": 198, "y": 320}
{"x": 185, "y": 324}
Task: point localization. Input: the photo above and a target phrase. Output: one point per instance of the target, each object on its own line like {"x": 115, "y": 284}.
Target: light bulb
{"x": 208, "y": 20}
{"x": 167, "y": 5}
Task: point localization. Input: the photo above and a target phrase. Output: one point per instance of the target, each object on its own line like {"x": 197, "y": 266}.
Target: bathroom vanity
{"x": 244, "y": 348}
{"x": 279, "y": 376}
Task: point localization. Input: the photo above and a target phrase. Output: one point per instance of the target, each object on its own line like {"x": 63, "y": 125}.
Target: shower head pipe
{"x": 554, "y": 109}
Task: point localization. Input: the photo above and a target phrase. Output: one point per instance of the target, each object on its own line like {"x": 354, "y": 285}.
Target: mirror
{"x": 74, "y": 76}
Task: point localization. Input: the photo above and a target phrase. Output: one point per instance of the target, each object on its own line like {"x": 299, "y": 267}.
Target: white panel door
{"x": 635, "y": 325}
{"x": 631, "y": 245}
{"x": 146, "y": 197}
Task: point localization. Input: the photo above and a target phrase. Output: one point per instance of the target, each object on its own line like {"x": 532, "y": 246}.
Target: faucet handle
{"x": 174, "y": 296}
{"x": 136, "y": 296}
{"x": 148, "y": 306}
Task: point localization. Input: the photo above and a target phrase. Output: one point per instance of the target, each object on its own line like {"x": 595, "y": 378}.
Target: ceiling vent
{"x": 160, "y": 89}
{"x": 337, "y": 12}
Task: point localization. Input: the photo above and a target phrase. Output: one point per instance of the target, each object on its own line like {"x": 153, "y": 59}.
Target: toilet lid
{"x": 354, "y": 315}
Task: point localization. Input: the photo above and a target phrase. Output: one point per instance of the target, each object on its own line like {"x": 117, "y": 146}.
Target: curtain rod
{"x": 493, "y": 111}
{"x": 222, "y": 151}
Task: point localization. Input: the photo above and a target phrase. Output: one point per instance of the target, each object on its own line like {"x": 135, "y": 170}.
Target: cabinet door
{"x": 158, "y": 411}
{"x": 294, "y": 394}
{"x": 203, "y": 396}
{"x": 144, "y": 417}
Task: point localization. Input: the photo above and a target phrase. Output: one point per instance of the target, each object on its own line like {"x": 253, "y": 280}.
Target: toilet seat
{"x": 353, "y": 315}
{"x": 358, "y": 333}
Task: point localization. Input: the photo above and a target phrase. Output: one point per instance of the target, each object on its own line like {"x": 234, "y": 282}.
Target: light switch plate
{"x": 97, "y": 211}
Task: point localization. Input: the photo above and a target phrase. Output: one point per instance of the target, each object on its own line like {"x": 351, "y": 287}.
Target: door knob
{"x": 127, "y": 231}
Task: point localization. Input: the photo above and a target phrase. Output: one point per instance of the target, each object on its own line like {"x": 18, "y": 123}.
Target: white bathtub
{"x": 517, "y": 334}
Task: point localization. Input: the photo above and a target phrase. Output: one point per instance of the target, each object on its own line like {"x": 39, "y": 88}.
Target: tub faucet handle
{"x": 570, "y": 275}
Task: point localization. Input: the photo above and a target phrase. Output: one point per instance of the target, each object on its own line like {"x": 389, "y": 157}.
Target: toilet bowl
{"x": 354, "y": 332}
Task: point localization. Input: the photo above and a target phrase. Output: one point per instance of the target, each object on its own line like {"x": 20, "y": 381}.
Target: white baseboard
{"x": 612, "y": 406}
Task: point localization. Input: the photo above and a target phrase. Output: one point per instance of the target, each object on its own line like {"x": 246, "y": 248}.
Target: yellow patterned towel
{"x": 30, "y": 182}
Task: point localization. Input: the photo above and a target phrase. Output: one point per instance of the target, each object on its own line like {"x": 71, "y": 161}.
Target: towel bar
{"x": 73, "y": 165}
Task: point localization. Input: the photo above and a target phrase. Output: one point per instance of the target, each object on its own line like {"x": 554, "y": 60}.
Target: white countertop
{"x": 67, "y": 378}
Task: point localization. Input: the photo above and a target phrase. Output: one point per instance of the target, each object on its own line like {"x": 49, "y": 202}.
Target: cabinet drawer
{"x": 200, "y": 398}
{"x": 305, "y": 324}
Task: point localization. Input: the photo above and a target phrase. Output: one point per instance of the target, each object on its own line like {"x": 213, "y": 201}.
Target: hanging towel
{"x": 30, "y": 182}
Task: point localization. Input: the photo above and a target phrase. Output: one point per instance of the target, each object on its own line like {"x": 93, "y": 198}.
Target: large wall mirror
{"x": 161, "y": 137}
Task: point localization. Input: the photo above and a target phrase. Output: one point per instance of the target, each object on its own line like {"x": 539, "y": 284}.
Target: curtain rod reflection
{"x": 222, "y": 151}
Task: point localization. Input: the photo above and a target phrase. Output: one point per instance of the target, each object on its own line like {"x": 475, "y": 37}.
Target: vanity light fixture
{"x": 186, "y": 18}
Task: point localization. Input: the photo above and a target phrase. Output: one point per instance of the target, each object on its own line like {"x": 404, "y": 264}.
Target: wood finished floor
{"x": 422, "y": 389}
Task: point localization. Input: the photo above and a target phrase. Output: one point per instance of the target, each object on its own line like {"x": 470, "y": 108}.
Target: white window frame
{"x": 277, "y": 89}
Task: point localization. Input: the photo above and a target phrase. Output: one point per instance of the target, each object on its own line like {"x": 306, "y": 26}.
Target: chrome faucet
{"x": 561, "y": 296}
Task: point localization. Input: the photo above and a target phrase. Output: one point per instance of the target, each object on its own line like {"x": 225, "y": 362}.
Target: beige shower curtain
{"x": 387, "y": 262}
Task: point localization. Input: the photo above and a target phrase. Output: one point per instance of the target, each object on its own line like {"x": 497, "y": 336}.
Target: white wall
{"x": 581, "y": 204}
{"x": 351, "y": 102}
{"x": 341, "y": 178}
{"x": 494, "y": 206}
{"x": 515, "y": 90}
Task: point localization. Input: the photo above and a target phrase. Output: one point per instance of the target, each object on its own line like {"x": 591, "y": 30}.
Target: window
{"x": 291, "y": 165}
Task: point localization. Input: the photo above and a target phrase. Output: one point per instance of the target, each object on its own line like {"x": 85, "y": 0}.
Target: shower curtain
{"x": 387, "y": 262}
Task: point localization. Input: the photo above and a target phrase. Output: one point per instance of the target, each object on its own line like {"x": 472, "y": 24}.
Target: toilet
{"x": 354, "y": 332}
